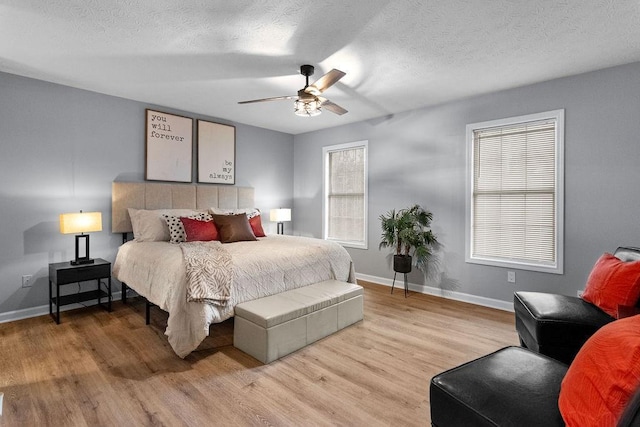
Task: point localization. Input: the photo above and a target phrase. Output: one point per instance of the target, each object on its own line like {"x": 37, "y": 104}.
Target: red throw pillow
{"x": 197, "y": 230}
{"x": 613, "y": 282}
{"x": 603, "y": 376}
{"x": 256, "y": 225}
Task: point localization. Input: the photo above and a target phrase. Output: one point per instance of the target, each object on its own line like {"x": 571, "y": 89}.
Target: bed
{"x": 157, "y": 270}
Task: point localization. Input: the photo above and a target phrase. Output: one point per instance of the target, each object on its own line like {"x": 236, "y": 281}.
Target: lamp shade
{"x": 80, "y": 222}
{"x": 280, "y": 215}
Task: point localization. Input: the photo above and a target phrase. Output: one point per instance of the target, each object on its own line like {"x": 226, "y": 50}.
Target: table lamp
{"x": 82, "y": 222}
{"x": 280, "y": 216}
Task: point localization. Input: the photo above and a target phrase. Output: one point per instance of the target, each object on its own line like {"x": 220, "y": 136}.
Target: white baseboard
{"x": 458, "y": 296}
{"x": 42, "y": 310}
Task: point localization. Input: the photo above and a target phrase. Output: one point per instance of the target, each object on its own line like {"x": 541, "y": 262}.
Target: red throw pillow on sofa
{"x": 603, "y": 376}
{"x": 613, "y": 282}
{"x": 197, "y": 230}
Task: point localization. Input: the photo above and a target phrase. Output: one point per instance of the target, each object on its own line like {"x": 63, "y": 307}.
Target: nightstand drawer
{"x": 63, "y": 272}
{"x": 87, "y": 273}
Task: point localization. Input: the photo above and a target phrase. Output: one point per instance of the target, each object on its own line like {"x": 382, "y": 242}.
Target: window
{"x": 345, "y": 194}
{"x": 515, "y": 192}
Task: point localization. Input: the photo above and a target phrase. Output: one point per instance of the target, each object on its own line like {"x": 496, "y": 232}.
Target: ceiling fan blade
{"x": 277, "y": 98}
{"x": 324, "y": 82}
{"x": 334, "y": 108}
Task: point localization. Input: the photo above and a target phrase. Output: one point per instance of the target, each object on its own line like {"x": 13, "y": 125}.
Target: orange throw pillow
{"x": 197, "y": 230}
{"x": 613, "y": 282}
{"x": 603, "y": 376}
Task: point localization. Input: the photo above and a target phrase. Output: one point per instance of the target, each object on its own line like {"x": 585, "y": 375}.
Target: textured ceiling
{"x": 204, "y": 56}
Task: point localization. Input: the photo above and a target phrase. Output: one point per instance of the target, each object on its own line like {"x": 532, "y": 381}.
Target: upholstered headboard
{"x": 155, "y": 195}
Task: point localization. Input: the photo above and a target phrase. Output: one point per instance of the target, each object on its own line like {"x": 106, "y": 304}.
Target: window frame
{"x": 325, "y": 193}
{"x": 558, "y": 266}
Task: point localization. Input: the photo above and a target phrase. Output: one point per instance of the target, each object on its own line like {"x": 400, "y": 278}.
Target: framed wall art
{"x": 169, "y": 147}
{"x": 216, "y": 153}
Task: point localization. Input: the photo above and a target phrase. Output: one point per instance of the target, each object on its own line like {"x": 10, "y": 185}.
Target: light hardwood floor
{"x": 100, "y": 368}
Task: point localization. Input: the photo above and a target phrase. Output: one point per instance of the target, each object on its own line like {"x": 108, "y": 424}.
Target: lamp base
{"x": 82, "y": 261}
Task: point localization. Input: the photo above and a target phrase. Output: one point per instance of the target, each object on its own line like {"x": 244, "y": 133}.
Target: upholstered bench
{"x": 272, "y": 327}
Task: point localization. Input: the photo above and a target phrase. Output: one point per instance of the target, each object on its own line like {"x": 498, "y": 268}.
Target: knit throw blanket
{"x": 209, "y": 272}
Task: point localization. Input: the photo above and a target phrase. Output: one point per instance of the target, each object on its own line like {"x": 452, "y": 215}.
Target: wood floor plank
{"x": 98, "y": 368}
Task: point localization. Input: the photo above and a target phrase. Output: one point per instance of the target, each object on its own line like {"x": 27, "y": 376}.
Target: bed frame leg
{"x": 147, "y": 316}
{"x": 124, "y": 285}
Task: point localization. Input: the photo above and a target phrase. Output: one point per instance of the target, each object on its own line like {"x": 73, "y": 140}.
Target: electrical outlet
{"x": 511, "y": 276}
{"x": 26, "y": 280}
{"x": 579, "y": 293}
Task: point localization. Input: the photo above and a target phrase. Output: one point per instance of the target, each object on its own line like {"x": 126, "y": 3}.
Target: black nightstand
{"x": 63, "y": 273}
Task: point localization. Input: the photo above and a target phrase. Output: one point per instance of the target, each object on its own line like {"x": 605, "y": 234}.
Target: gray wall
{"x": 419, "y": 157}
{"x": 62, "y": 147}
{"x": 60, "y": 150}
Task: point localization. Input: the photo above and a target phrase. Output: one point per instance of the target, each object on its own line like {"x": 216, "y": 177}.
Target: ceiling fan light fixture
{"x": 308, "y": 102}
{"x": 307, "y": 108}
{"x": 312, "y": 90}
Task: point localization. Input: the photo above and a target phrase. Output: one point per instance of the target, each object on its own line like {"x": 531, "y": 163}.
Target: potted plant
{"x": 408, "y": 232}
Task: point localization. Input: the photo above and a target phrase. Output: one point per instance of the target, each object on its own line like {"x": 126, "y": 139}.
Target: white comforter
{"x": 269, "y": 266}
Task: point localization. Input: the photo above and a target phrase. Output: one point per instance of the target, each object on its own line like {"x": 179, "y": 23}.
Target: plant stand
{"x": 401, "y": 264}
{"x": 406, "y": 283}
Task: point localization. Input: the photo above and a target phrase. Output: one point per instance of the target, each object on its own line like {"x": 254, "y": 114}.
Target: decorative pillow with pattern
{"x": 176, "y": 228}
{"x": 250, "y": 212}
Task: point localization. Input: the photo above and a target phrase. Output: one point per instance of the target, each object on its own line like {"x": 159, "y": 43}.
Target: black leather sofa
{"x": 518, "y": 386}
{"x": 558, "y": 325}
{"x": 512, "y": 387}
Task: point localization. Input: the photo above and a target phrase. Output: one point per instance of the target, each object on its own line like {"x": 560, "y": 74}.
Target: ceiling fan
{"x": 308, "y": 102}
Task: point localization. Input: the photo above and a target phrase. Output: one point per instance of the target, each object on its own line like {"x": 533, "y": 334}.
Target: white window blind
{"x": 346, "y": 193}
{"x": 515, "y": 204}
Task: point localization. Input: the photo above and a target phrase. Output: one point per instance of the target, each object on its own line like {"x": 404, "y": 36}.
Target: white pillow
{"x": 149, "y": 226}
{"x": 251, "y": 212}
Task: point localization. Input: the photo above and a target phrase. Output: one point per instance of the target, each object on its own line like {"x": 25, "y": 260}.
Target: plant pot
{"x": 402, "y": 263}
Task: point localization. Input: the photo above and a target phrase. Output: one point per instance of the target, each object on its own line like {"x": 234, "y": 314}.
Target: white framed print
{"x": 216, "y": 153}
{"x": 169, "y": 147}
